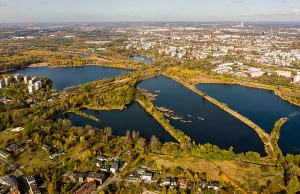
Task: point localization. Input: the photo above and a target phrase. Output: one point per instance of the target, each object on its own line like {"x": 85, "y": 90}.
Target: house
{"x": 167, "y": 181}
{"x": 46, "y": 147}
{"x": 141, "y": 171}
{"x": 4, "y": 154}
{"x": 13, "y": 183}
{"x": 147, "y": 177}
{"x": 99, "y": 178}
{"x": 182, "y": 182}
{"x": 87, "y": 188}
{"x": 101, "y": 158}
{"x": 174, "y": 181}
{"x": 15, "y": 148}
{"x": 213, "y": 185}
{"x": 114, "y": 167}
{"x": 77, "y": 177}
{"x": 32, "y": 185}
{"x": 203, "y": 184}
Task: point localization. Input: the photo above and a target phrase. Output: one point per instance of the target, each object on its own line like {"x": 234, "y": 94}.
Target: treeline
{"x": 19, "y": 60}
{"x": 80, "y": 98}
{"x": 150, "y": 108}
{"x": 290, "y": 95}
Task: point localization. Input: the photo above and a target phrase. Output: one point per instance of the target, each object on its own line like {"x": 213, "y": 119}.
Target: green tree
{"x": 293, "y": 186}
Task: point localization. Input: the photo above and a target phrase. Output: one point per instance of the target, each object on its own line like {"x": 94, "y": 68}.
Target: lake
{"x": 72, "y": 76}
{"x": 142, "y": 59}
{"x": 263, "y": 107}
{"x": 134, "y": 117}
{"x": 208, "y": 123}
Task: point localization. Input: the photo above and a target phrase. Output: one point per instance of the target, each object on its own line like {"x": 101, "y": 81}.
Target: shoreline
{"x": 264, "y": 136}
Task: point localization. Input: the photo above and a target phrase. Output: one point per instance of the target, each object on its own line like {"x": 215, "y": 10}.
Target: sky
{"x": 148, "y": 10}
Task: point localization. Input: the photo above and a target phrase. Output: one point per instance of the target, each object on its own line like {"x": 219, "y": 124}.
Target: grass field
{"x": 241, "y": 175}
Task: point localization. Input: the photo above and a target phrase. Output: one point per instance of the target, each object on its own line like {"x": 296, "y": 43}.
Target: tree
{"x": 141, "y": 144}
{"x": 154, "y": 144}
{"x": 293, "y": 186}
{"x": 128, "y": 136}
{"x": 135, "y": 135}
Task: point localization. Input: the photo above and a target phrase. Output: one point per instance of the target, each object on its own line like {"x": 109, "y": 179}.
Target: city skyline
{"x": 145, "y": 10}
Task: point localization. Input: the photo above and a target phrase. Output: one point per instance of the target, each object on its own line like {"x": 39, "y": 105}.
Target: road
{"x": 11, "y": 167}
{"x": 106, "y": 183}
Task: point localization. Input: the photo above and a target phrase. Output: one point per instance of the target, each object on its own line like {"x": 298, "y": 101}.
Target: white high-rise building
{"x": 2, "y": 83}
{"x": 26, "y": 79}
{"x": 7, "y": 81}
{"x": 38, "y": 85}
{"x": 242, "y": 24}
{"x": 31, "y": 89}
{"x": 18, "y": 77}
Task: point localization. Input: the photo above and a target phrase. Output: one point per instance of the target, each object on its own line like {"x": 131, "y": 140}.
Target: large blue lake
{"x": 262, "y": 107}
{"x": 74, "y": 76}
{"x": 134, "y": 117}
{"x": 201, "y": 120}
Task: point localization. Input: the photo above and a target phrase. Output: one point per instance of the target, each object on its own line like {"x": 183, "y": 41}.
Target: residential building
{"x": 147, "y": 177}
{"x": 99, "y": 178}
{"x": 213, "y": 185}
{"x": 46, "y": 147}
{"x": 167, "y": 181}
{"x": 296, "y": 78}
{"x": 77, "y": 177}
{"x": 13, "y": 183}
{"x": 38, "y": 85}
{"x": 286, "y": 74}
{"x": 101, "y": 158}
{"x": 114, "y": 167}
{"x": 26, "y": 79}
{"x": 7, "y": 80}
{"x": 18, "y": 77}
{"x": 31, "y": 88}
{"x": 32, "y": 185}
{"x": 15, "y": 147}
{"x": 2, "y": 83}
{"x": 4, "y": 154}
{"x": 256, "y": 73}
{"x": 87, "y": 188}
{"x": 141, "y": 171}
{"x": 182, "y": 182}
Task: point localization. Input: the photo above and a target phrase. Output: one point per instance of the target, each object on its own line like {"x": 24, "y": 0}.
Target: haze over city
{"x": 146, "y": 10}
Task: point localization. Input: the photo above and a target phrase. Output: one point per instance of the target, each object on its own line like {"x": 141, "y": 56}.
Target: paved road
{"x": 106, "y": 183}
{"x": 10, "y": 167}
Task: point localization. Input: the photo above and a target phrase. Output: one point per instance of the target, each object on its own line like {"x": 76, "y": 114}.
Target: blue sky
{"x": 148, "y": 10}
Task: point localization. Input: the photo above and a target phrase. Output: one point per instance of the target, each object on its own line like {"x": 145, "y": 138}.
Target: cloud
{"x": 238, "y": 1}
{"x": 2, "y": 4}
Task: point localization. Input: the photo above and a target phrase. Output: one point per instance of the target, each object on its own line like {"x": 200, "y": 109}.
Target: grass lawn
{"x": 36, "y": 160}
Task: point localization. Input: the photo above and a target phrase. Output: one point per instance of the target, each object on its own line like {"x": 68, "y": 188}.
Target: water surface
{"x": 132, "y": 118}
{"x": 263, "y": 107}
{"x": 72, "y": 76}
{"x": 218, "y": 127}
